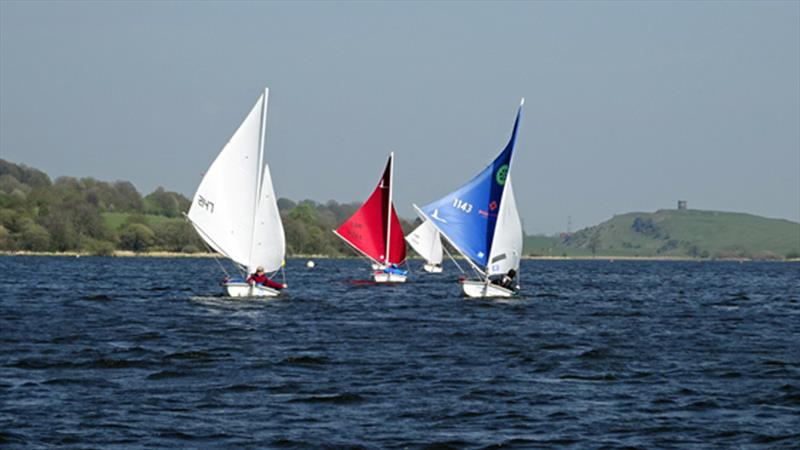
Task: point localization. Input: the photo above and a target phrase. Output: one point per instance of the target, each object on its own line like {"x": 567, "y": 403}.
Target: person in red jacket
{"x": 261, "y": 278}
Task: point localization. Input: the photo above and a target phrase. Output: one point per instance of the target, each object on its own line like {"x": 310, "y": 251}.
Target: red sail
{"x": 397, "y": 241}
{"x": 366, "y": 229}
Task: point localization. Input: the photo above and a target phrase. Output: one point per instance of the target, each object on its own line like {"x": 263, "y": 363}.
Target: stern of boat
{"x": 383, "y": 277}
{"x": 482, "y": 289}
{"x": 242, "y": 290}
{"x": 432, "y": 268}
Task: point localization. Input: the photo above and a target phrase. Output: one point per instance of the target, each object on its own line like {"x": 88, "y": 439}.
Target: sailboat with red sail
{"x": 375, "y": 232}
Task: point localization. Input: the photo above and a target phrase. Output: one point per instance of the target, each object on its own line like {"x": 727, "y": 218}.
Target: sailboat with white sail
{"x": 374, "y": 231}
{"x": 235, "y": 210}
{"x": 427, "y": 242}
{"x": 480, "y": 220}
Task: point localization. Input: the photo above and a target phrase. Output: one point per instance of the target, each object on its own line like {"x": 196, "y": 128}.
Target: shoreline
{"x": 165, "y": 254}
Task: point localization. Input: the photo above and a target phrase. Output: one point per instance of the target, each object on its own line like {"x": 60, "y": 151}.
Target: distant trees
{"x": 33, "y": 236}
{"x": 308, "y": 227}
{"x": 85, "y": 214}
{"x": 164, "y": 203}
{"x": 39, "y": 215}
{"x": 117, "y": 196}
{"x": 28, "y": 176}
{"x": 284, "y": 204}
{"x": 137, "y": 237}
{"x": 177, "y": 236}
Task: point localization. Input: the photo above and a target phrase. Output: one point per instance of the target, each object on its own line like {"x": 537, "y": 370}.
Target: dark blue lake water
{"x": 119, "y": 352}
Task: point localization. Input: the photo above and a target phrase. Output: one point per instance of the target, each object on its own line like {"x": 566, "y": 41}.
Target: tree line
{"x": 98, "y": 217}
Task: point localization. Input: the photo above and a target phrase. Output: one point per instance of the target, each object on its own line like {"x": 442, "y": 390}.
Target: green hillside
{"x": 541, "y": 245}
{"x": 681, "y": 233}
{"x": 117, "y": 220}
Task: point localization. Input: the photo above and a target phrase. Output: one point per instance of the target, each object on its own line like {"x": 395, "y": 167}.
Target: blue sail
{"x": 468, "y": 215}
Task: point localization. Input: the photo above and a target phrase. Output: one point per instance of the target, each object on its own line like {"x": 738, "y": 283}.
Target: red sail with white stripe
{"x": 374, "y": 229}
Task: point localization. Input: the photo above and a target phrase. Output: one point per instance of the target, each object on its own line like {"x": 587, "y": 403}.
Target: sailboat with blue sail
{"x": 481, "y": 221}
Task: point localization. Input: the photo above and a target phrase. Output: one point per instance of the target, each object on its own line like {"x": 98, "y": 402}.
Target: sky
{"x": 630, "y": 106}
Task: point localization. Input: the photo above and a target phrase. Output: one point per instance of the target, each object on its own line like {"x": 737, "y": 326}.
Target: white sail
{"x": 426, "y": 241}
{"x": 226, "y": 194}
{"x": 507, "y": 242}
{"x": 269, "y": 245}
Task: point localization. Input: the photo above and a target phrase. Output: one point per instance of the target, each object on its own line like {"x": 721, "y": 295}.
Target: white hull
{"x": 482, "y": 289}
{"x": 431, "y": 268}
{"x": 245, "y": 290}
{"x": 383, "y": 277}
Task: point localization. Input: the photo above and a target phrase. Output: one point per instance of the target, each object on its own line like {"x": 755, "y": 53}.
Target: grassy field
{"x": 540, "y": 245}
{"x": 114, "y": 221}
{"x": 681, "y": 233}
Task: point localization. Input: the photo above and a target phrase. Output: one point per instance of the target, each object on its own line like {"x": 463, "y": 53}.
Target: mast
{"x": 261, "y": 141}
{"x": 259, "y": 170}
{"x": 389, "y": 210}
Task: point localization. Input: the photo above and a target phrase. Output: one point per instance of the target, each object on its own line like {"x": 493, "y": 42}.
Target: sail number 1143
{"x": 462, "y": 205}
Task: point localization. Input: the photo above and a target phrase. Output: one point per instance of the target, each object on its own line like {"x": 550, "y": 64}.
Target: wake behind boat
{"x": 374, "y": 231}
{"x": 234, "y": 209}
{"x": 481, "y": 221}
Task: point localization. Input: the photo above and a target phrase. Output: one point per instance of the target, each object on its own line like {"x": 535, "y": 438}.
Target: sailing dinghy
{"x": 426, "y": 241}
{"x": 234, "y": 209}
{"x": 375, "y": 232}
{"x": 481, "y": 221}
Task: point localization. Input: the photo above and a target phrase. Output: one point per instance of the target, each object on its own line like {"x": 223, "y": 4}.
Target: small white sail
{"x": 269, "y": 246}
{"x": 223, "y": 207}
{"x": 507, "y": 244}
{"x": 426, "y": 241}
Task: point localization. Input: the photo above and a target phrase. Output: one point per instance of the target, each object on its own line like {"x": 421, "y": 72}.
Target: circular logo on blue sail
{"x": 501, "y": 174}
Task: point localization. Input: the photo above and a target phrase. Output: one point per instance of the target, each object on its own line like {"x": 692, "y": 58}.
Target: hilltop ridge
{"x": 688, "y": 233}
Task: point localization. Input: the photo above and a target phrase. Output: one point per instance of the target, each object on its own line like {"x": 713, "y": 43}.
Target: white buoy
{"x": 310, "y": 264}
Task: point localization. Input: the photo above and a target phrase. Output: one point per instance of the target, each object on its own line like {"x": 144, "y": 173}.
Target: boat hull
{"x": 383, "y": 277}
{"x": 241, "y": 290}
{"x": 432, "y": 268}
{"x": 482, "y": 289}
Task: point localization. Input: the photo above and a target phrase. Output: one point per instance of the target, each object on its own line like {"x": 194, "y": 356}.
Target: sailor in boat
{"x": 262, "y": 279}
{"x": 393, "y": 269}
{"x": 506, "y": 281}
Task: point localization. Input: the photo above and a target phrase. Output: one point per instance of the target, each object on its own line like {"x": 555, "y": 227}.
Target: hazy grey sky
{"x": 629, "y": 106}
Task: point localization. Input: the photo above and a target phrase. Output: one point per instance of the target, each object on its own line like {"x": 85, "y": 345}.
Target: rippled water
{"x": 105, "y": 352}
